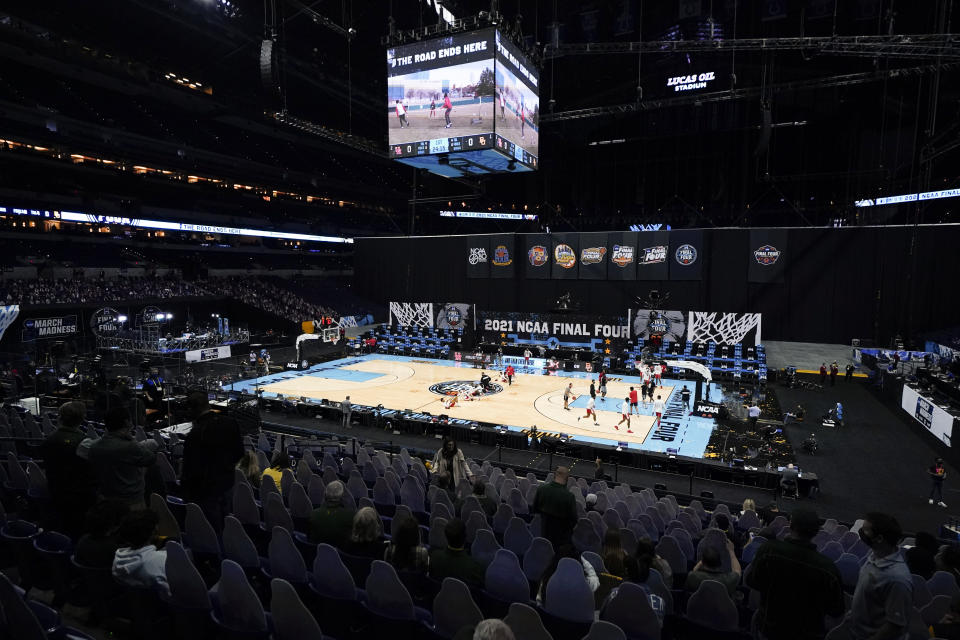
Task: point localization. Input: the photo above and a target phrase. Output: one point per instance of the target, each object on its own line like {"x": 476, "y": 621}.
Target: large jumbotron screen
{"x": 471, "y": 98}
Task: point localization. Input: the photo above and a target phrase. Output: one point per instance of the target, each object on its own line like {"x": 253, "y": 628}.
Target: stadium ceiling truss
{"x": 748, "y": 92}
{"x": 943, "y": 46}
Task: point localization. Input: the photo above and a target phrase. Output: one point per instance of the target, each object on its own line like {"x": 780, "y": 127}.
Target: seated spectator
{"x": 99, "y": 543}
{"x": 590, "y": 501}
{"x": 280, "y": 462}
{"x": 722, "y": 522}
{"x": 922, "y": 558}
{"x": 119, "y": 460}
{"x": 70, "y": 478}
{"x": 488, "y": 505}
{"x": 366, "y": 538}
{"x": 405, "y": 552}
{"x": 332, "y": 523}
{"x": 646, "y": 555}
{"x": 454, "y": 562}
{"x": 638, "y": 571}
{"x": 614, "y": 557}
{"x": 748, "y": 505}
{"x": 250, "y": 466}
{"x": 798, "y": 585}
{"x": 948, "y": 559}
{"x": 138, "y": 563}
{"x": 949, "y": 626}
{"x": 489, "y": 629}
{"x": 710, "y": 567}
{"x": 567, "y": 551}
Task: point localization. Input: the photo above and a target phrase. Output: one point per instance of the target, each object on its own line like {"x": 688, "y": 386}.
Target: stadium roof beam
{"x": 747, "y": 92}
{"x": 894, "y": 46}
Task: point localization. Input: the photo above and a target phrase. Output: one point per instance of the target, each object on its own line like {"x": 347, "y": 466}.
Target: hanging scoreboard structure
{"x": 464, "y": 104}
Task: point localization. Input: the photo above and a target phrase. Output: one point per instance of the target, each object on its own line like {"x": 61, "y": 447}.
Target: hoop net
{"x": 411, "y": 314}
{"x": 722, "y": 328}
{"x": 7, "y": 315}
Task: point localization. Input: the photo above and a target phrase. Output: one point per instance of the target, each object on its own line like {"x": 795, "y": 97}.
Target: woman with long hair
{"x": 405, "y": 552}
{"x": 450, "y": 466}
{"x": 250, "y": 466}
{"x": 614, "y": 557}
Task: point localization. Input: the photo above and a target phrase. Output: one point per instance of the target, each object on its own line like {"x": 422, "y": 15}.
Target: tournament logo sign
{"x": 565, "y": 256}
{"x": 658, "y": 324}
{"x": 622, "y": 254}
{"x": 477, "y": 255}
{"x": 537, "y": 255}
{"x": 655, "y": 255}
{"x": 766, "y": 255}
{"x": 454, "y": 387}
{"x": 454, "y": 317}
{"x": 686, "y": 254}
{"x": 592, "y": 255}
{"x": 501, "y": 256}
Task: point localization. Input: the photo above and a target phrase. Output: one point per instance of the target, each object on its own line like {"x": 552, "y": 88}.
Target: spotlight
{"x": 169, "y": 316}
{"x": 121, "y": 318}
{"x": 159, "y": 316}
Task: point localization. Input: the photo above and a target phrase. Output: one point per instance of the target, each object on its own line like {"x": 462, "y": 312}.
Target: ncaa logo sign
{"x": 454, "y": 387}
{"x": 453, "y": 316}
{"x": 766, "y": 255}
{"x": 501, "y": 256}
{"x": 686, "y": 254}
{"x": 537, "y": 255}
{"x": 658, "y": 325}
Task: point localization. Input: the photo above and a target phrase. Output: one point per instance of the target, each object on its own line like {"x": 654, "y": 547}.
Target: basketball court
{"x": 422, "y": 385}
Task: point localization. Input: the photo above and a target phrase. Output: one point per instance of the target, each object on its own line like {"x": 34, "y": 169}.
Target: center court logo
{"x": 537, "y": 255}
{"x": 477, "y": 255}
{"x": 766, "y": 255}
{"x": 565, "y": 256}
{"x": 592, "y": 255}
{"x": 686, "y": 254}
{"x": 622, "y": 254}
{"x": 654, "y": 255}
{"x": 501, "y": 256}
{"x": 454, "y": 387}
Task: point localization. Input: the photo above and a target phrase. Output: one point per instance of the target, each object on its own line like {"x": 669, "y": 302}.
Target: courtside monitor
{"x": 463, "y": 104}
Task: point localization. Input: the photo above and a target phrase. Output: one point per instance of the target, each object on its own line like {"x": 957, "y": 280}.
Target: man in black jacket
{"x": 120, "y": 461}
{"x": 210, "y": 453}
{"x": 798, "y": 585}
{"x": 558, "y": 508}
{"x": 70, "y": 479}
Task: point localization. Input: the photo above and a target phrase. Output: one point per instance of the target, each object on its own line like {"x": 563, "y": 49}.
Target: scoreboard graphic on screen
{"x": 462, "y": 104}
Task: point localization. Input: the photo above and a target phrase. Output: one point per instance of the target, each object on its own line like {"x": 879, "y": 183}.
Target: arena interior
{"x": 508, "y": 319}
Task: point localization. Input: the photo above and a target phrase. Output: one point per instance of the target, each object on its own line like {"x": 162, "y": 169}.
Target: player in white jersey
{"x": 658, "y": 407}
{"x": 624, "y": 415}
{"x": 591, "y": 411}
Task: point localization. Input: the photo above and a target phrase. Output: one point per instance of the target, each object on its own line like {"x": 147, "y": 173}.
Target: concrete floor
{"x": 807, "y": 355}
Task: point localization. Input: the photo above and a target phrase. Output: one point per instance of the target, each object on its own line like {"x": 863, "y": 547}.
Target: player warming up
{"x": 633, "y": 401}
{"x": 447, "y": 108}
{"x": 591, "y": 411}
{"x": 658, "y": 409}
{"x": 624, "y": 415}
{"x": 568, "y": 396}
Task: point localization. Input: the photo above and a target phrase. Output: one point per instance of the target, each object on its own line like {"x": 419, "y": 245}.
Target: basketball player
{"x": 451, "y": 401}
{"x": 624, "y": 415}
{"x": 433, "y": 108}
{"x": 602, "y": 377}
{"x": 520, "y": 116}
{"x": 526, "y": 357}
{"x": 402, "y": 115}
{"x": 657, "y": 373}
{"x": 502, "y": 105}
{"x": 658, "y": 406}
{"x": 567, "y": 393}
{"x": 591, "y": 411}
{"x": 685, "y": 396}
{"x": 447, "y": 108}
{"x": 633, "y": 401}
{"x": 510, "y": 374}
{"x": 593, "y": 390}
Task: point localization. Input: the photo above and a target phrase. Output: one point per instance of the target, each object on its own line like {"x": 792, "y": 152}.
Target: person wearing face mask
{"x": 883, "y": 600}
{"x": 937, "y": 473}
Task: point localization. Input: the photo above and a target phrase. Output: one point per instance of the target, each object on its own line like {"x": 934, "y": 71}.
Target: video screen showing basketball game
{"x": 517, "y": 112}
{"x": 440, "y": 95}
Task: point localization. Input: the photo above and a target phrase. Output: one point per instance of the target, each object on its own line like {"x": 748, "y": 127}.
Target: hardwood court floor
{"x": 531, "y": 400}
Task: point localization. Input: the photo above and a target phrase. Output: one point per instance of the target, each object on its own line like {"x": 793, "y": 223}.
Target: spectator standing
{"x": 883, "y": 600}
{"x": 937, "y": 473}
{"x": 834, "y": 370}
{"x": 753, "y": 412}
{"x": 449, "y": 464}
{"x": 849, "y": 372}
{"x": 798, "y": 585}
{"x": 120, "y": 461}
{"x": 454, "y": 562}
{"x": 332, "y": 523}
{"x": 710, "y": 567}
{"x": 346, "y": 408}
{"x": 138, "y": 563}
{"x": 210, "y": 453}
{"x": 823, "y": 373}
{"x": 557, "y": 508}
{"x": 70, "y": 478}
